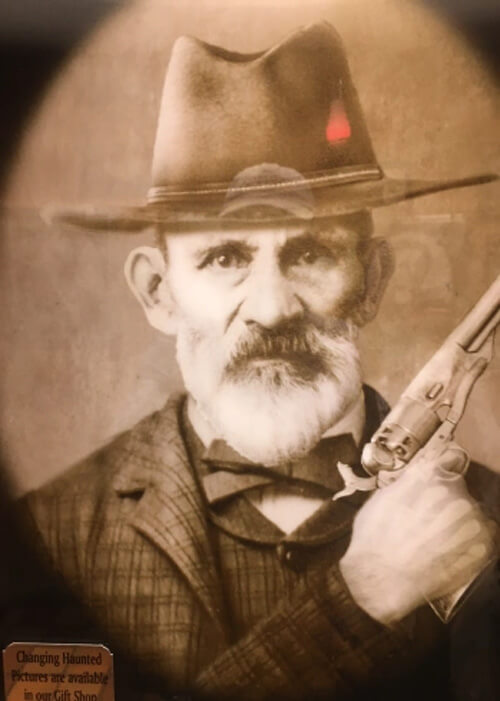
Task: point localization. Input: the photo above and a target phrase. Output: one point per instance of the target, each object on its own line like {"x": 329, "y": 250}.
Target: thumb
{"x": 452, "y": 462}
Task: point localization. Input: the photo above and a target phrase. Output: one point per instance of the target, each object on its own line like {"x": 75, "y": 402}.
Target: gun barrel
{"x": 484, "y": 316}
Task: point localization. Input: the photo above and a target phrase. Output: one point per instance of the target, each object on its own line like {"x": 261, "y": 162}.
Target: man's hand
{"x": 420, "y": 538}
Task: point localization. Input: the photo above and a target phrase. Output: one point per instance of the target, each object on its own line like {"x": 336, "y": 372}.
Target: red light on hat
{"x": 338, "y": 127}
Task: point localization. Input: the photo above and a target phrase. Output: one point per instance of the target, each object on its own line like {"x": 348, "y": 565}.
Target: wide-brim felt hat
{"x": 290, "y": 117}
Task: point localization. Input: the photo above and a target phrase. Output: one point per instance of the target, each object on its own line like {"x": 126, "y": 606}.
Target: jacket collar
{"x": 171, "y": 510}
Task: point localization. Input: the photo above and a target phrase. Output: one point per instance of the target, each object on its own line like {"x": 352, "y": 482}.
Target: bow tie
{"x": 233, "y": 474}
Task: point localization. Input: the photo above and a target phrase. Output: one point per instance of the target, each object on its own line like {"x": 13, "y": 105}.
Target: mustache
{"x": 301, "y": 342}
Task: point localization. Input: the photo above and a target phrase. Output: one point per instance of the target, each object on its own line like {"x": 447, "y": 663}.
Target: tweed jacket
{"x": 127, "y": 529}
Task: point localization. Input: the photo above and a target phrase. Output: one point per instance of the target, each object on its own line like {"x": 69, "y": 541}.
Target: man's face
{"x": 264, "y": 332}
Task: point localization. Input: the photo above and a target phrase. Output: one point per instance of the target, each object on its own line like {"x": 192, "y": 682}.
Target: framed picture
{"x": 248, "y": 443}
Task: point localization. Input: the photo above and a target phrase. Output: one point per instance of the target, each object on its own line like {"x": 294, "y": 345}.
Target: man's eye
{"x": 225, "y": 259}
{"x": 308, "y": 257}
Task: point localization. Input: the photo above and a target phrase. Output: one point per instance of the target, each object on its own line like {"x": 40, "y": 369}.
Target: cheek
{"x": 200, "y": 303}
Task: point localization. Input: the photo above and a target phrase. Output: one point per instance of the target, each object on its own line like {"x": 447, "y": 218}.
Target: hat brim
{"x": 201, "y": 213}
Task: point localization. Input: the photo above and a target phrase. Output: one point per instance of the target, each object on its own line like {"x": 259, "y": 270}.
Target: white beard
{"x": 266, "y": 414}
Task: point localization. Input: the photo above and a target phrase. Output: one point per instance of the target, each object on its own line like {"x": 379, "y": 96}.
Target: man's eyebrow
{"x": 330, "y": 238}
{"x": 335, "y": 234}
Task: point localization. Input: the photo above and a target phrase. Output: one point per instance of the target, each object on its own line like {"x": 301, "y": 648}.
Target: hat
{"x": 290, "y": 110}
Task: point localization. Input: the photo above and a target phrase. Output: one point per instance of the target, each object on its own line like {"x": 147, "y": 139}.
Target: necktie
{"x": 233, "y": 474}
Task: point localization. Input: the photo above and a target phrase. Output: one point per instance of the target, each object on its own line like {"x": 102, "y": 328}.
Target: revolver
{"x": 429, "y": 409}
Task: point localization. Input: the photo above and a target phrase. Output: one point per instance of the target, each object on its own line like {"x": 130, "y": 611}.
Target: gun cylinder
{"x": 376, "y": 458}
{"x": 407, "y": 428}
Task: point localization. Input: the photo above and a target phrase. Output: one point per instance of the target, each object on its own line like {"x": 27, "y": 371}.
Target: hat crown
{"x": 294, "y": 104}
{"x": 231, "y": 123}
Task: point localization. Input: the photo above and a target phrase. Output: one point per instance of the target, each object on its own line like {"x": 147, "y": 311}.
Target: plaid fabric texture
{"x": 129, "y": 531}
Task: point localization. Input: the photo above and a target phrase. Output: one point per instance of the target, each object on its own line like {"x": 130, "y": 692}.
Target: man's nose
{"x": 270, "y": 299}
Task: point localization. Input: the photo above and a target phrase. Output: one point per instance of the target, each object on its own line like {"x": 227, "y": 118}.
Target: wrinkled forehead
{"x": 352, "y": 229}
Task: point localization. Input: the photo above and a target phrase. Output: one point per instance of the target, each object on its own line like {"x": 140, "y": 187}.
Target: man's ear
{"x": 146, "y": 275}
{"x": 379, "y": 266}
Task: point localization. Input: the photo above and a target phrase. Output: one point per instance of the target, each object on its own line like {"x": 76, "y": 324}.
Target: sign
{"x": 56, "y": 672}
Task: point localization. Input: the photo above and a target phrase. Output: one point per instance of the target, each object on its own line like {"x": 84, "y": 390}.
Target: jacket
{"x": 127, "y": 530}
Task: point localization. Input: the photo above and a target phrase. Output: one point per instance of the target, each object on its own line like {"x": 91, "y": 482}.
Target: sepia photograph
{"x": 250, "y": 288}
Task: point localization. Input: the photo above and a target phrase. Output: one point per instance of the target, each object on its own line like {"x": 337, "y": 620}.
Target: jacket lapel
{"x": 171, "y": 512}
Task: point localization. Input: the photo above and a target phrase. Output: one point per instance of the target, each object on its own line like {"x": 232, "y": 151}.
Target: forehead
{"x": 268, "y": 236}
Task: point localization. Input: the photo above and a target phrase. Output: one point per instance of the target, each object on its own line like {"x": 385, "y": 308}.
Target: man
{"x": 205, "y": 541}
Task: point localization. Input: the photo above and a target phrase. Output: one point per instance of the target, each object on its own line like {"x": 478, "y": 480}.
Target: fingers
{"x": 453, "y": 533}
{"x": 465, "y": 532}
{"x": 450, "y": 516}
{"x": 461, "y": 564}
{"x": 443, "y": 466}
